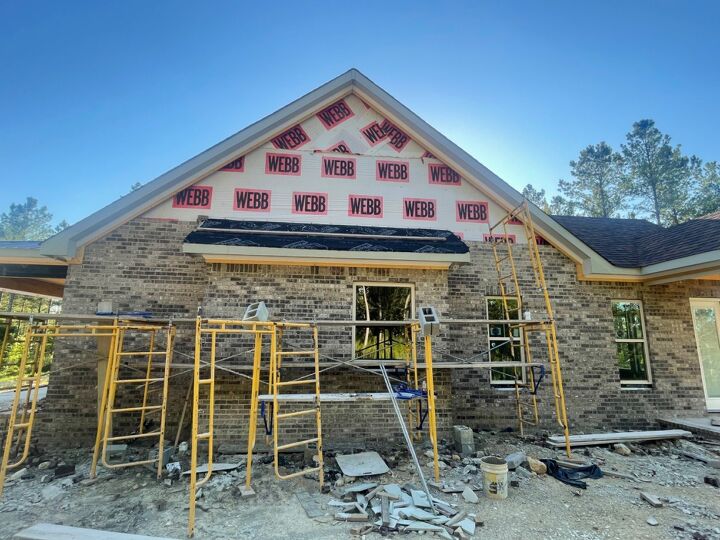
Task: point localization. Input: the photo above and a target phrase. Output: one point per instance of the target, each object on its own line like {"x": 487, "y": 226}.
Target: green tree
{"x": 558, "y": 205}
{"x": 597, "y": 188}
{"x": 707, "y": 197}
{"x": 660, "y": 176}
{"x": 28, "y": 221}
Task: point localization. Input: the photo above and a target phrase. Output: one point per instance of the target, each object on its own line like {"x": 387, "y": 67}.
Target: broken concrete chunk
{"x": 468, "y": 525}
{"x": 651, "y": 499}
{"x": 419, "y": 498}
{"x": 17, "y": 475}
{"x": 470, "y": 496}
{"x": 622, "y": 449}
{"x": 652, "y": 521}
{"x": 358, "y": 488}
{"x": 464, "y": 440}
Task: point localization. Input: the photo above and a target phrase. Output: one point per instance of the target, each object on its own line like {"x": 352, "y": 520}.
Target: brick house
{"x": 345, "y": 204}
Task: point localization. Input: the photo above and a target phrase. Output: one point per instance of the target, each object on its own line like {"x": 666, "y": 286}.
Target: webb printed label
{"x": 499, "y": 238}
{"x": 442, "y": 175}
{"x": 398, "y": 139}
{"x": 472, "y": 211}
{"x": 335, "y": 114}
{"x": 423, "y": 209}
{"x": 237, "y": 165}
{"x": 285, "y": 164}
{"x": 291, "y": 139}
{"x": 337, "y": 167}
{"x": 392, "y": 171}
{"x": 199, "y": 197}
{"x": 309, "y": 203}
{"x": 252, "y": 200}
{"x": 373, "y": 134}
{"x": 341, "y": 148}
{"x": 365, "y": 206}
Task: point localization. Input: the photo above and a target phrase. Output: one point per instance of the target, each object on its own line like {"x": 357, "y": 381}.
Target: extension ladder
{"x": 506, "y": 269}
{"x": 278, "y": 386}
{"x": 119, "y": 358}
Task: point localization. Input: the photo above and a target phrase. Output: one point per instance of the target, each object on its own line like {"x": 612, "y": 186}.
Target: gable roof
{"x": 65, "y": 245}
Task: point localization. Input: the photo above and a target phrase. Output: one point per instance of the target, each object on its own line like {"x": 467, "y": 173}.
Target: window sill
{"x": 503, "y": 387}
{"x": 636, "y": 386}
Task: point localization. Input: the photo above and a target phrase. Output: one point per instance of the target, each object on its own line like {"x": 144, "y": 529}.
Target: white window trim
{"x": 503, "y": 384}
{"x": 644, "y": 341}
{"x": 357, "y": 284}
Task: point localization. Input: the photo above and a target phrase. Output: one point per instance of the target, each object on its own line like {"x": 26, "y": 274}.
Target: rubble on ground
{"x": 656, "y": 491}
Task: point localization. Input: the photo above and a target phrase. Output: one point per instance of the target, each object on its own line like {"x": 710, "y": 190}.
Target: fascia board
{"x": 323, "y": 255}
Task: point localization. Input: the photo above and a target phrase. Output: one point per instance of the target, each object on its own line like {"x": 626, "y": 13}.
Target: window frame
{"x": 355, "y": 286}
{"x": 636, "y": 382}
{"x": 519, "y": 339}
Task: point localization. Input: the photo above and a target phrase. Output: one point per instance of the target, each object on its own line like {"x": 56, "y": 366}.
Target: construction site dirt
{"x": 648, "y": 490}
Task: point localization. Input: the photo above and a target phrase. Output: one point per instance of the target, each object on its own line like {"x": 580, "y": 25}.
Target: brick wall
{"x": 140, "y": 266}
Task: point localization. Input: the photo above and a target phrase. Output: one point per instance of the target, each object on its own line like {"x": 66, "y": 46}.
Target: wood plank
{"x": 49, "y": 531}
{"x": 595, "y": 439}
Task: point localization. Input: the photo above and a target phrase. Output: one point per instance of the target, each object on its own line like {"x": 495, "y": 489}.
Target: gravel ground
{"x": 132, "y": 500}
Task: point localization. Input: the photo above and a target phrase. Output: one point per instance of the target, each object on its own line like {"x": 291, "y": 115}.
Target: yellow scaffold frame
{"x": 107, "y": 408}
{"x": 213, "y": 328}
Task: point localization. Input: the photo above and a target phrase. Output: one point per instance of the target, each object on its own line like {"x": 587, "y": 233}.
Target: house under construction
{"x": 257, "y": 288}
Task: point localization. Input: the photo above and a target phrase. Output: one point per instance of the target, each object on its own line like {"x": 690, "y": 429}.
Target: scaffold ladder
{"x": 507, "y": 270}
{"x": 19, "y": 429}
{"x": 114, "y": 380}
{"x": 214, "y": 328}
{"x": 281, "y": 388}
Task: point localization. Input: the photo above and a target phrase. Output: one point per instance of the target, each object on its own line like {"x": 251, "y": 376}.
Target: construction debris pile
{"x": 657, "y": 489}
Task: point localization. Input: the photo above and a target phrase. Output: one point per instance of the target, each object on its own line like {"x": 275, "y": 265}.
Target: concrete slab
{"x": 361, "y": 464}
{"x": 49, "y": 531}
{"x": 699, "y": 425}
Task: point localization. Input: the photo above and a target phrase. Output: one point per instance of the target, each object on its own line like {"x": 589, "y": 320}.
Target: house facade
{"x": 345, "y": 205}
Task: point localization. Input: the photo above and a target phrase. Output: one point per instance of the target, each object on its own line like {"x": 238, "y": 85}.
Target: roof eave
{"x": 236, "y": 254}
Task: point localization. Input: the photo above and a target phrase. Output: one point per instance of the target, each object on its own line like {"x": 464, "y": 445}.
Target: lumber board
{"x": 595, "y": 439}
{"x": 49, "y": 531}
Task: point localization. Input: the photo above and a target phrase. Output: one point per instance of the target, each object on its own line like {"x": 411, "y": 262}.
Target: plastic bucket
{"x": 495, "y": 477}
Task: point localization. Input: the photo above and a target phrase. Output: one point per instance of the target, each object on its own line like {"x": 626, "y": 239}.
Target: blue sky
{"x": 95, "y": 96}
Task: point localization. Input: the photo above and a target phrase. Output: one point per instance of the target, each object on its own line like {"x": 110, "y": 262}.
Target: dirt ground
{"x": 132, "y": 500}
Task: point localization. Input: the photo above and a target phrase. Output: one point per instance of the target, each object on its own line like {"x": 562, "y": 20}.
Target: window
{"x": 382, "y": 302}
{"x": 630, "y": 341}
{"x": 501, "y": 343}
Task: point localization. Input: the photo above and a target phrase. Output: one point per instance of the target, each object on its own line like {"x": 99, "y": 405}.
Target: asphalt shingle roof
{"x": 632, "y": 243}
{"x": 325, "y": 237}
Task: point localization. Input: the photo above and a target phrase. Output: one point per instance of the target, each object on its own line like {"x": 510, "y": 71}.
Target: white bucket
{"x": 495, "y": 477}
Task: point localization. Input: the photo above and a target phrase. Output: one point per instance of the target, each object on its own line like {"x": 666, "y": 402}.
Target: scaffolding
{"x": 38, "y": 344}
{"x": 274, "y": 354}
